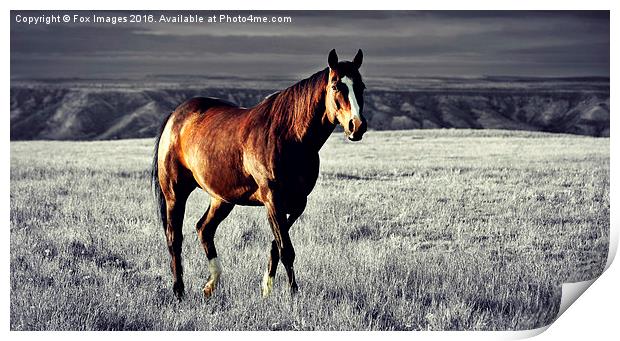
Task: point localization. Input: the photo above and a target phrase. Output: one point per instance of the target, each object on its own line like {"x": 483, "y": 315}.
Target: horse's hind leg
{"x": 176, "y": 197}
{"x": 206, "y": 227}
{"x": 270, "y": 274}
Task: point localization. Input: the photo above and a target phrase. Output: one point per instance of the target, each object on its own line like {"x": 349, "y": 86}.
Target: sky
{"x": 395, "y": 44}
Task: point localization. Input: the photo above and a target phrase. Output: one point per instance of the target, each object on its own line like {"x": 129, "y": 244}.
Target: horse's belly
{"x": 233, "y": 189}
{"x": 219, "y": 174}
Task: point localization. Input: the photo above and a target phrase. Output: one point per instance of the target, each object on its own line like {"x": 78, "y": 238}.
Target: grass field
{"x": 408, "y": 230}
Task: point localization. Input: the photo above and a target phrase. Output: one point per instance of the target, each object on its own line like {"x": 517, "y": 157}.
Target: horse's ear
{"x": 332, "y": 59}
{"x": 357, "y": 61}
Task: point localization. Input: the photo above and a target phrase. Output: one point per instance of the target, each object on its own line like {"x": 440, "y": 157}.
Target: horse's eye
{"x": 335, "y": 88}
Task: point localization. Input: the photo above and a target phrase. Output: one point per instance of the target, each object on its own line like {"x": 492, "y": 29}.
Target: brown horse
{"x": 267, "y": 155}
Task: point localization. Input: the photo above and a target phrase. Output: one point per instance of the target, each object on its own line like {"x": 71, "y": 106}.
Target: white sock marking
{"x": 215, "y": 268}
{"x": 267, "y": 285}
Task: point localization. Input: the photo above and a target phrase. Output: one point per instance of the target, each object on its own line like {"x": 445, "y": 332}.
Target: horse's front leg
{"x": 281, "y": 247}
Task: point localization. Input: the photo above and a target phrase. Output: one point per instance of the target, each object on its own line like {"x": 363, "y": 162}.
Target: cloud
{"x": 468, "y": 42}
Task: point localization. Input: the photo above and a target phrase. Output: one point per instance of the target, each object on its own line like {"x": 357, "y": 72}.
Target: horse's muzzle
{"x": 356, "y": 129}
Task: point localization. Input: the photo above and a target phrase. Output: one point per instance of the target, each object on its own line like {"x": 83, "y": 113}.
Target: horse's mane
{"x": 292, "y": 110}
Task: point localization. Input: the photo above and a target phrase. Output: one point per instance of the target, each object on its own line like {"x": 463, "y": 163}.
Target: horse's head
{"x": 345, "y": 95}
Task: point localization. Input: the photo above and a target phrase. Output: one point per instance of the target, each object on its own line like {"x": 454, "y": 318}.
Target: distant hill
{"x": 78, "y": 109}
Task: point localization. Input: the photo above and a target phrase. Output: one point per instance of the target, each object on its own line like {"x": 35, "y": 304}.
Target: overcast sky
{"x": 426, "y": 43}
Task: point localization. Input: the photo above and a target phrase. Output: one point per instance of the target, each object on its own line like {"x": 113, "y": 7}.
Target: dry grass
{"x": 405, "y": 230}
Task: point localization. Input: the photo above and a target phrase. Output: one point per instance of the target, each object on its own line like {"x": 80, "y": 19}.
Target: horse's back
{"x": 201, "y": 105}
{"x": 199, "y": 118}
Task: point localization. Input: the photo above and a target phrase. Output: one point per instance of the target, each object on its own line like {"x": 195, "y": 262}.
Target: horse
{"x": 267, "y": 155}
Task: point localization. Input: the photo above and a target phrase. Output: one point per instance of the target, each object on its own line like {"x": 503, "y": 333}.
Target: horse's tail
{"x": 159, "y": 194}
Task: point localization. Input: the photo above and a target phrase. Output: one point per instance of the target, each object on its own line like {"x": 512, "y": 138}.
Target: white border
{"x": 592, "y": 317}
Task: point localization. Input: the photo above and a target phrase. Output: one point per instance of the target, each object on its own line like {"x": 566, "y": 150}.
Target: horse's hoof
{"x": 179, "y": 290}
{"x": 209, "y": 289}
{"x": 294, "y": 289}
{"x": 267, "y": 285}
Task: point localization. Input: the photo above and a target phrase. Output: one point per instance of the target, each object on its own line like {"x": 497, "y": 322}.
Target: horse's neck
{"x": 317, "y": 128}
{"x": 309, "y": 125}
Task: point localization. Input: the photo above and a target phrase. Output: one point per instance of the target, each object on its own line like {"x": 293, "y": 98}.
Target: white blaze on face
{"x": 355, "y": 108}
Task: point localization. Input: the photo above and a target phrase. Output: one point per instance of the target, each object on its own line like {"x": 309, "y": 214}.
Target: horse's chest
{"x": 297, "y": 174}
